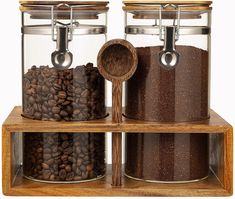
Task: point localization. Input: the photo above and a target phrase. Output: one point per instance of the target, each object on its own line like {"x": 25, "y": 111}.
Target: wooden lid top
{"x": 82, "y": 9}
{"x": 191, "y": 5}
{"x": 204, "y": 2}
{"x": 71, "y": 2}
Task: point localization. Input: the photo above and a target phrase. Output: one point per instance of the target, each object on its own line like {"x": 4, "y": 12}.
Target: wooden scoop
{"x": 117, "y": 62}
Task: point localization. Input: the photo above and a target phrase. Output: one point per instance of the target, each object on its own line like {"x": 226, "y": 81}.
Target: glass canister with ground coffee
{"x": 60, "y": 43}
{"x": 171, "y": 84}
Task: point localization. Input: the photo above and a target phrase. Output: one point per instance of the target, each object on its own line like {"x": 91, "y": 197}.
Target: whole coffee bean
{"x": 63, "y": 113}
{"x": 46, "y": 156}
{"x": 39, "y": 150}
{"x": 68, "y": 168}
{"x": 64, "y": 157}
{"x": 45, "y": 166}
{"x": 79, "y": 162}
{"x": 62, "y": 174}
{"x": 46, "y": 174}
{"x": 89, "y": 167}
{"x": 52, "y": 177}
{"x": 51, "y": 103}
{"x": 55, "y": 109}
{"x": 45, "y": 89}
{"x": 62, "y": 94}
{"x": 31, "y": 100}
{"x": 50, "y": 161}
{"x": 46, "y": 150}
{"x": 65, "y": 144}
{"x": 70, "y": 176}
{"x": 83, "y": 168}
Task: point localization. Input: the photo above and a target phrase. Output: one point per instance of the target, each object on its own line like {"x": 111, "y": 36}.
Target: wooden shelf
{"x": 208, "y": 187}
{"x": 219, "y": 183}
{"x": 16, "y": 123}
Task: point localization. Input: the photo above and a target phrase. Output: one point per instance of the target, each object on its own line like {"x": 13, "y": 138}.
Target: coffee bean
{"x": 46, "y": 174}
{"x": 65, "y": 144}
{"x": 55, "y": 157}
{"x": 70, "y": 176}
{"x": 62, "y": 94}
{"x": 63, "y": 113}
{"x": 50, "y": 161}
{"x": 45, "y": 166}
{"x": 62, "y": 174}
{"x": 64, "y": 157}
{"x": 52, "y": 103}
{"x": 68, "y": 168}
{"x": 46, "y": 156}
{"x": 79, "y": 162}
{"x": 52, "y": 177}
{"x": 55, "y": 109}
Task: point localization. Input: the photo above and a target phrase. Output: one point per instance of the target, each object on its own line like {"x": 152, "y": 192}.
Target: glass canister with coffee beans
{"x": 171, "y": 84}
{"x": 60, "y": 43}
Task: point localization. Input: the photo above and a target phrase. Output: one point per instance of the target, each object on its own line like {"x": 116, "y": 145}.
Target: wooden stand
{"x": 219, "y": 183}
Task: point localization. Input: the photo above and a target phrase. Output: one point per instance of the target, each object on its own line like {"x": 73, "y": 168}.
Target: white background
{"x": 222, "y": 70}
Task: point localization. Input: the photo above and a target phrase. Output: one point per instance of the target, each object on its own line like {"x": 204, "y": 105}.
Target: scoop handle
{"x": 117, "y": 101}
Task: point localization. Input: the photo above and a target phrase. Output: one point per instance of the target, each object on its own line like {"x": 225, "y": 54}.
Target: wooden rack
{"x": 219, "y": 183}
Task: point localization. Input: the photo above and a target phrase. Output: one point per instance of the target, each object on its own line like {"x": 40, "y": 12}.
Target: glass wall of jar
{"x": 60, "y": 43}
{"x": 171, "y": 84}
{"x": 63, "y": 157}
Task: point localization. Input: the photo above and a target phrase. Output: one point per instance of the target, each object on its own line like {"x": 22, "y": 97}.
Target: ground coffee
{"x": 177, "y": 95}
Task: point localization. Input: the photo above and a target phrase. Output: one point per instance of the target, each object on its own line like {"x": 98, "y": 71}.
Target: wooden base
{"x": 208, "y": 187}
{"x": 219, "y": 183}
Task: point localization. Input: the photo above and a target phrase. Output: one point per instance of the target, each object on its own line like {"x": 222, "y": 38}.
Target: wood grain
{"x": 16, "y": 123}
{"x": 168, "y": 1}
{"x": 117, "y": 62}
{"x": 102, "y": 187}
{"x": 147, "y": 8}
{"x": 71, "y": 2}
{"x": 219, "y": 183}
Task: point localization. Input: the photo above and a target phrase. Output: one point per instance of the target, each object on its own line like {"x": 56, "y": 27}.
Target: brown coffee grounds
{"x": 177, "y": 95}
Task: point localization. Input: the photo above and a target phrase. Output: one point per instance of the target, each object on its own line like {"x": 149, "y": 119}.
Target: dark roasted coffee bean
{"x": 55, "y": 109}
{"x": 62, "y": 174}
{"x": 70, "y": 176}
{"x": 63, "y": 113}
{"x": 45, "y": 166}
{"x": 68, "y": 168}
{"x": 62, "y": 94}
{"x": 79, "y": 162}
{"x": 46, "y": 174}
{"x": 65, "y": 144}
{"x": 51, "y": 103}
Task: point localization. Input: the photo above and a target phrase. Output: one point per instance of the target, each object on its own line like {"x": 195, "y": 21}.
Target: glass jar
{"x": 171, "y": 84}
{"x": 60, "y": 43}
{"x": 63, "y": 157}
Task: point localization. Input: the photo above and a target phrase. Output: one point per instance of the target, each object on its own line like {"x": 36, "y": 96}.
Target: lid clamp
{"x": 169, "y": 57}
{"x": 54, "y": 22}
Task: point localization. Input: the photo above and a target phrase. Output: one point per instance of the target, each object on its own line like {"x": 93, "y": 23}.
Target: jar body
{"x": 63, "y": 157}
{"x": 60, "y": 43}
{"x": 74, "y": 92}
{"x": 167, "y": 157}
{"x": 177, "y": 94}
{"x": 164, "y": 92}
